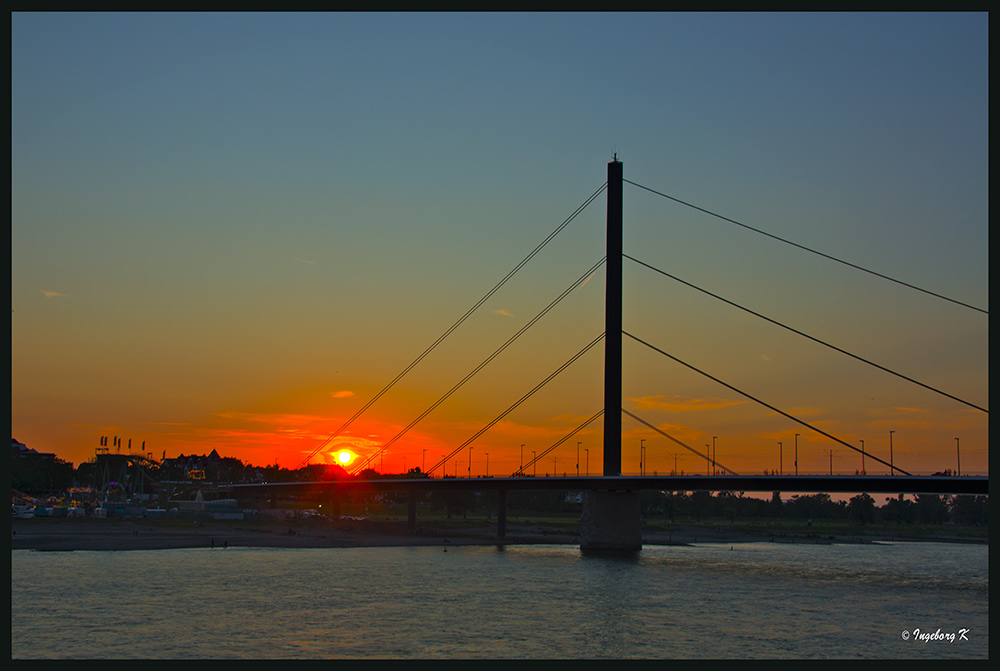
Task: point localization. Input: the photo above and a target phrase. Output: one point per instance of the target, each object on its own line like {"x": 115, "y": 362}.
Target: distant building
{"x": 211, "y": 467}
{"x": 19, "y": 450}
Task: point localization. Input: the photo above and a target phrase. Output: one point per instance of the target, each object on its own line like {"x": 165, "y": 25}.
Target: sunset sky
{"x": 230, "y": 231}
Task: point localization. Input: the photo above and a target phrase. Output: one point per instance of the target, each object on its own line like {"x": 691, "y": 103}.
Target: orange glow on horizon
{"x": 749, "y": 441}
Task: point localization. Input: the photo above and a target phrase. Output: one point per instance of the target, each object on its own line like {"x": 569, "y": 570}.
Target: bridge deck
{"x": 872, "y": 484}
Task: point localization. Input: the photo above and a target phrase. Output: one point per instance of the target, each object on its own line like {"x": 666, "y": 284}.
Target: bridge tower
{"x": 613, "y": 325}
{"x": 611, "y": 519}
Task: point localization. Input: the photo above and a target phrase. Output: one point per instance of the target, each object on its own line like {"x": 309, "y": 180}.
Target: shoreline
{"x": 82, "y": 534}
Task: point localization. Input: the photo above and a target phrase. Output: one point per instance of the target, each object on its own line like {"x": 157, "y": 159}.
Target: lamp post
{"x": 780, "y": 459}
{"x": 714, "y": 468}
{"x": 470, "y": 462}
{"x": 796, "y": 454}
{"x": 958, "y": 455}
{"x": 642, "y": 455}
{"x": 892, "y": 471}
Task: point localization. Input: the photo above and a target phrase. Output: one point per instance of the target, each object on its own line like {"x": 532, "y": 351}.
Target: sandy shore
{"x": 54, "y": 534}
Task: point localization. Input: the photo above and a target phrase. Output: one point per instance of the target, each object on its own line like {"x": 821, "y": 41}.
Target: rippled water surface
{"x": 764, "y": 600}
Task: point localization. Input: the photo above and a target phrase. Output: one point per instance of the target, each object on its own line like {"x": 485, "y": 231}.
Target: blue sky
{"x": 239, "y": 215}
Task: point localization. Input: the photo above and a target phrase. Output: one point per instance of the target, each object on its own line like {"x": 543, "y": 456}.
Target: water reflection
{"x": 754, "y": 601}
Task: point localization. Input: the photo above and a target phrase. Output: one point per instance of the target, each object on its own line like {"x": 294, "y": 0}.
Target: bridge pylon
{"x": 611, "y": 519}
{"x": 613, "y": 325}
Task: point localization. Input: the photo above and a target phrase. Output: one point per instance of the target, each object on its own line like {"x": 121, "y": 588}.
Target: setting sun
{"x": 344, "y": 457}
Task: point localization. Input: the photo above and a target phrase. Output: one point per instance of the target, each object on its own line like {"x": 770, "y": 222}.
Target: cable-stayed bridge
{"x": 615, "y": 505}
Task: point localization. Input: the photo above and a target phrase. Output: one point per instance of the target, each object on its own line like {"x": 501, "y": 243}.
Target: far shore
{"x": 68, "y": 534}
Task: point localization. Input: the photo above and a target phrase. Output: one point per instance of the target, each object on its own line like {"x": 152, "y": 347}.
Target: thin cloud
{"x": 52, "y": 294}
{"x": 681, "y": 432}
{"x": 568, "y": 419}
{"x": 503, "y": 313}
{"x": 684, "y": 403}
{"x": 904, "y": 417}
{"x": 282, "y": 420}
{"x": 341, "y": 394}
{"x": 898, "y": 411}
{"x": 526, "y": 432}
{"x": 800, "y": 412}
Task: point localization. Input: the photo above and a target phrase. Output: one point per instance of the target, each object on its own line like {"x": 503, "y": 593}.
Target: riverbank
{"x": 66, "y": 534}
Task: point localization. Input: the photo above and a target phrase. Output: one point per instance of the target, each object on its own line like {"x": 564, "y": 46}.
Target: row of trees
{"x": 40, "y": 475}
{"x": 44, "y": 475}
{"x": 700, "y": 506}
{"x": 862, "y": 509}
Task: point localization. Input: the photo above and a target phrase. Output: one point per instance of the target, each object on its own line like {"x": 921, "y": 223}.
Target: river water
{"x": 745, "y": 601}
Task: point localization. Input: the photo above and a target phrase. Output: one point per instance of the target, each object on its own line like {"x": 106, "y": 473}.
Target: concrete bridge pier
{"x": 411, "y": 512}
{"x": 335, "y": 503}
{"x": 611, "y": 522}
{"x": 501, "y": 515}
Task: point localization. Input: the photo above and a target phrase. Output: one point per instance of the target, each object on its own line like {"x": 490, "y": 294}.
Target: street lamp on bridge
{"x": 958, "y": 455}
{"x": 796, "y": 454}
{"x": 892, "y": 471}
{"x": 715, "y": 469}
{"x": 831, "y": 453}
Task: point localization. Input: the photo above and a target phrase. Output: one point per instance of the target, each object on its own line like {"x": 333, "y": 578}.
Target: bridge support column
{"x": 501, "y": 515}
{"x": 335, "y": 502}
{"x": 611, "y": 522}
{"x": 411, "y": 513}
